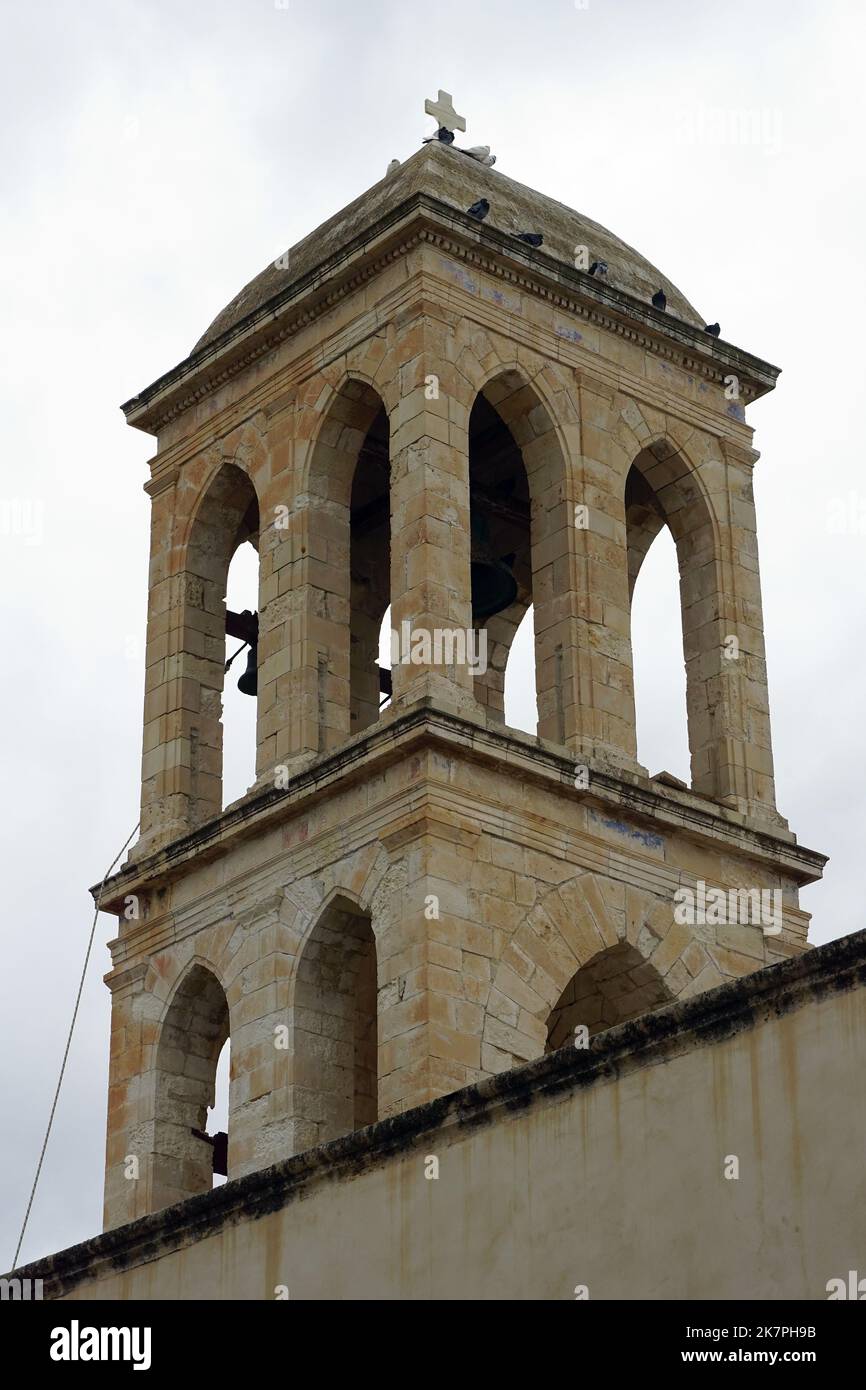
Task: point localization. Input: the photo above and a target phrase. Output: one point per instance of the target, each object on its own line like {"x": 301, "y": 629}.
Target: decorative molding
{"x": 568, "y": 289}
{"x": 510, "y": 752}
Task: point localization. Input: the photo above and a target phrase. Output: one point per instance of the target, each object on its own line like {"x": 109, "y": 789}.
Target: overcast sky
{"x": 155, "y": 156}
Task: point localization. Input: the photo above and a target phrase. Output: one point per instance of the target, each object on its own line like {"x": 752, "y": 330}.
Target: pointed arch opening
{"x": 227, "y": 520}
{"x": 347, "y": 566}
{"x": 192, "y": 1036}
{"x": 664, "y": 497}
{"x": 336, "y": 1041}
{"x": 661, "y": 717}
{"x": 616, "y": 985}
{"x": 518, "y": 516}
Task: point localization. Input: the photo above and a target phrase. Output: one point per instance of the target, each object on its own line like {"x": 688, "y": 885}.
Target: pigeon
{"x": 713, "y": 329}
{"x": 531, "y": 238}
{"x": 479, "y": 210}
{"x": 481, "y": 153}
{"x": 599, "y": 269}
{"x": 393, "y": 167}
{"x": 659, "y": 300}
{"x": 443, "y": 134}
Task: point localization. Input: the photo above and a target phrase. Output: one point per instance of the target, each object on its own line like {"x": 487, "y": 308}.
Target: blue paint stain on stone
{"x": 644, "y": 837}
{"x": 460, "y": 275}
{"x": 736, "y": 411}
{"x": 570, "y": 333}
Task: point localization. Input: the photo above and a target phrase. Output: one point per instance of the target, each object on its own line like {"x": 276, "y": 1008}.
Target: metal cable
{"x": 66, "y": 1051}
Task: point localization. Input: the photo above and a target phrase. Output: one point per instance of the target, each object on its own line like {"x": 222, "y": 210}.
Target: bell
{"x": 221, "y": 1153}
{"x": 248, "y": 683}
{"x": 219, "y": 1143}
{"x": 494, "y": 587}
{"x": 245, "y": 626}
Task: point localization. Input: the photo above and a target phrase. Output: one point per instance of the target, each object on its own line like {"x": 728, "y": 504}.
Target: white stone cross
{"x": 443, "y": 112}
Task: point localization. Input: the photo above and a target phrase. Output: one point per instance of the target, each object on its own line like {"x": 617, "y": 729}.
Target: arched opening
{"x": 227, "y": 518}
{"x": 193, "y": 1034}
{"x": 659, "y": 670}
{"x": 614, "y": 986}
{"x": 664, "y": 498}
{"x": 500, "y": 536}
{"x": 336, "y": 1027}
{"x": 521, "y": 525}
{"x": 345, "y": 516}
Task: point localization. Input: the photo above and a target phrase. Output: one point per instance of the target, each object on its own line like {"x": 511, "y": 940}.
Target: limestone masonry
{"x": 414, "y": 900}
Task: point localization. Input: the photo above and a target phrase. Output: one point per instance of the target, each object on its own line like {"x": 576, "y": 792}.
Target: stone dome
{"x": 458, "y": 180}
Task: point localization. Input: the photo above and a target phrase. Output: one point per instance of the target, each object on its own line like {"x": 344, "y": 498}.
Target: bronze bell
{"x": 248, "y": 683}
{"x": 246, "y": 627}
{"x": 494, "y": 587}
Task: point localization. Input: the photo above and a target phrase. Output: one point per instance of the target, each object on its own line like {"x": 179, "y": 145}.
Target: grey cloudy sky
{"x": 156, "y": 155}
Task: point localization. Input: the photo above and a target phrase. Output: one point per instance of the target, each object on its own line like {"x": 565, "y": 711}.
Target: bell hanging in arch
{"x": 494, "y": 587}
{"x": 248, "y": 683}
{"x": 245, "y": 626}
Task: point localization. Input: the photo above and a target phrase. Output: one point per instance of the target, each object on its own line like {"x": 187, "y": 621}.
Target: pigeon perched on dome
{"x": 481, "y": 153}
{"x": 443, "y": 134}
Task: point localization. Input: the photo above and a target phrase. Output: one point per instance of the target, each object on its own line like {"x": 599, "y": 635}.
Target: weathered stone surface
{"x": 413, "y": 899}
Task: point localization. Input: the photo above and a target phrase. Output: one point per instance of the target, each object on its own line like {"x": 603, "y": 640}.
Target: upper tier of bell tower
{"x": 376, "y": 337}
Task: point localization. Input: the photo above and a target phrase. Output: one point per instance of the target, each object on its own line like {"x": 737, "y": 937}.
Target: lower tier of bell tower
{"x": 437, "y": 901}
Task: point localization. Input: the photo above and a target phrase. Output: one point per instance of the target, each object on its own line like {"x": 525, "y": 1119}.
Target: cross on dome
{"x": 443, "y": 112}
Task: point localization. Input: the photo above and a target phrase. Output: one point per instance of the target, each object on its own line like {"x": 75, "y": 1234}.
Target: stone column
{"x": 129, "y": 1130}
{"x": 729, "y": 713}
{"x": 431, "y": 603}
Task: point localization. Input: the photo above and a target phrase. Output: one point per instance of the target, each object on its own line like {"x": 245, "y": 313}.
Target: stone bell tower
{"x": 417, "y": 407}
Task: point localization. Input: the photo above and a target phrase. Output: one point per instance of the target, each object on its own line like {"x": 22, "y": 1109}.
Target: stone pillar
{"x": 129, "y": 1129}
{"x": 430, "y": 993}
{"x": 171, "y": 708}
{"x": 308, "y": 659}
{"x": 199, "y": 518}
{"x": 729, "y": 714}
{"x": 430, "y": 546}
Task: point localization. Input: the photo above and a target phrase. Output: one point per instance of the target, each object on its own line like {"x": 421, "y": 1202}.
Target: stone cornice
{"x": 462, "y": 818}
{"x": 130, "y": 977}
{"x": 277, "y": 393}
{"x": 162, "y": 480}
{"x": 505, "y": 750}
{"x": 422, "y": 219}
{"x": 709, "y": 1020}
